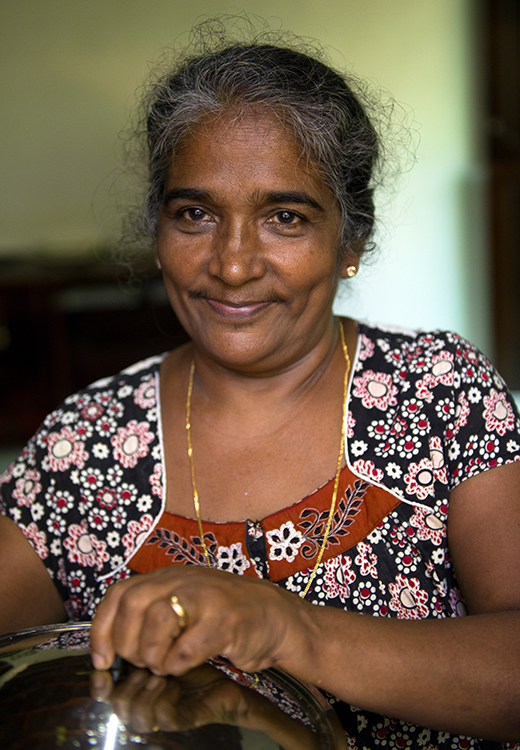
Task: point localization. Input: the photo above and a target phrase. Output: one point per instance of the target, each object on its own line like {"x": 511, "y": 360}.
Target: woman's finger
{"x": 159, "y": 629}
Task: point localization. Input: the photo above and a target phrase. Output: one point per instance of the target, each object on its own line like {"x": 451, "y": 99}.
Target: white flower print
{"x": 113, "y": 539}
{"x": 438, "y": 556}
{"x": 18, "y": 469}
{"x": 512, "y": 446}
{"x": 106, "y": 426}
{"x": 55, "y": 547}
{"x": 125, "y": 391}
{"x": 76, "y": 580}
{"x": 37, "y": 511}
{"x": 393, "y": 470}
{"x": 408, "y": 446}
{"x": 16, "y": 515}
{"x": 232, "y": 560}
{"x": 144, "y": 503}
{"x": 489, "y": 446}
{"x": 358, "y": 447}
{"x": 284, "y": 542}
{"x": 454, "y": 450}
{"x": 474, "y": 395}
{"x": 100, "y": 450}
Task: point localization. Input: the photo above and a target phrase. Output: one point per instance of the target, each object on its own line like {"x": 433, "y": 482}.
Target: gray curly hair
{"x": 322, "y": 108}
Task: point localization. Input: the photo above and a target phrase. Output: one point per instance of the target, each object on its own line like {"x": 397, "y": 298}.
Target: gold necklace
{"x": 196, "y": 501}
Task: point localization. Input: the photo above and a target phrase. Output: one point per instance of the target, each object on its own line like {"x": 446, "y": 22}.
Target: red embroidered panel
{"x": 288, "y": 540}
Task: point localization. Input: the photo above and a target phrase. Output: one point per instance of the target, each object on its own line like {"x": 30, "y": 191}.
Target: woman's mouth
{"x": 237, "y": 310}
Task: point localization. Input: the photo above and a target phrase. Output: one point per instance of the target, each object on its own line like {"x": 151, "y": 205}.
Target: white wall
{"x": 69, "y": 69}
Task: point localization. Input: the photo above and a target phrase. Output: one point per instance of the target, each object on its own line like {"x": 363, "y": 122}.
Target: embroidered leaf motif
{"x": 314, "y": 523}
{"x": 181, "y": 550}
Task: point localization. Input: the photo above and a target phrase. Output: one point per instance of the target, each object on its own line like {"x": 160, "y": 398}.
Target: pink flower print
{"x": 92, "y": 411}
{"x": 408, "y": 599}
{"x": 65, "y": 450}
{"x": 145, "y": 395}
{"x": 368, "y": 469}
{"x": 457, "y": 603}
{"x": 37, "y": 538}
{"x": 27, "y": 488}
{"x": 366, "y": 560}
{"x": 428, "y": 526}
{"x": 107, "y": 498}
{"x": 419, "y": 479}
{"x": 366, "y": 348}
{"x": 85, "y": 548}
{"x": 156, "y": 480}
{"x": 137, "y": 532}
{"x": 351, "y": 423}
{"x": 375, "y": 389}
{"x": 131, "y": 443}
{"x": 498, "y": 413}
{"x": 437, "y": 459}
{"x": 338, "y": 577}
{"x": 461, "y": 413}
{"x": 442, "y": 369}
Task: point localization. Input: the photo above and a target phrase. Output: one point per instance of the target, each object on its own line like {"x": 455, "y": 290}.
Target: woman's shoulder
{"x": 416, "y": 354}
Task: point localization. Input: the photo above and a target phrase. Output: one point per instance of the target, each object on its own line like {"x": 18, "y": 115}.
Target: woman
{"x": 334, "y": 459}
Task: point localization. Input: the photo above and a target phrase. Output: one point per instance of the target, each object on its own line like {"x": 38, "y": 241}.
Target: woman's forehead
{"x": 252, "y": 141}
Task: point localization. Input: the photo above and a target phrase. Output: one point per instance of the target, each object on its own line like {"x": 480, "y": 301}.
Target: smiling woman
{"x": 384, "y": 489}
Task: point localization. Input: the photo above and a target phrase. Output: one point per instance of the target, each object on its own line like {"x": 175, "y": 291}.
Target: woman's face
{"x": 247, "y": 241}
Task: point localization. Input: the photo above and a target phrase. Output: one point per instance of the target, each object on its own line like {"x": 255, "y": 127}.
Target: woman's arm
{"x": 28, "y": 596}
{"x": 460, "y": 675}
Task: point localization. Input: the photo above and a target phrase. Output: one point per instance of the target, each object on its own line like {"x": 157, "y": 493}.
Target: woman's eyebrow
{"x": 292, "y": 196}
{"x": 191, "y": 194}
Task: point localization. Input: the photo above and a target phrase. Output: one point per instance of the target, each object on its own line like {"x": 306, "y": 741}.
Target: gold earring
{"x": 351, "y": 271}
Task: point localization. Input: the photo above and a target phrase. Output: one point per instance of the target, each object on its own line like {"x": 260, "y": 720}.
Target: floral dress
{"x": 425, "y": 412}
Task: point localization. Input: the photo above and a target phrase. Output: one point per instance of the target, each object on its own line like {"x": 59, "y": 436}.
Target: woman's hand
{"x": 252, "y": 622}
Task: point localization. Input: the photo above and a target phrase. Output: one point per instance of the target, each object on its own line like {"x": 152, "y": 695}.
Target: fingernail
{"x": 99, "y": 661}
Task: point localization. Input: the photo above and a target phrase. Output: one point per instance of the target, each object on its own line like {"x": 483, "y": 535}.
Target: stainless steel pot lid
{"x": 51, "y": 697}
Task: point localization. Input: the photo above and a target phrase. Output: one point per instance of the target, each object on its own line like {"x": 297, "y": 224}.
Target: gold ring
{"x": 179, "y": 611}
{"x": 156, "y": 728}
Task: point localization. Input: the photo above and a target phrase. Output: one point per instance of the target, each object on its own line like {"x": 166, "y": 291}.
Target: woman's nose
{"x": 237, "y": 254}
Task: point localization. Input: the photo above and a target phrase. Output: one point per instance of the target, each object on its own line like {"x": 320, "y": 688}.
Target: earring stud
{"x": 351, "y": 271}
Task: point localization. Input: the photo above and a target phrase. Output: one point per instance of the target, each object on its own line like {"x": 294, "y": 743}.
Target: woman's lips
{"x": 236, "y": 310}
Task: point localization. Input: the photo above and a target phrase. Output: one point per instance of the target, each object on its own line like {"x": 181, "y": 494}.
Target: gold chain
{"x": 196, "y": 501}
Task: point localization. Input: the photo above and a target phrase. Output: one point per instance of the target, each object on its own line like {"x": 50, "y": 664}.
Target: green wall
{"x": 68, "y": 75}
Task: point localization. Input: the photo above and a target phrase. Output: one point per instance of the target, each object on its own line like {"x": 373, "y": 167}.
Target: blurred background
{"x": 449, "y": 233}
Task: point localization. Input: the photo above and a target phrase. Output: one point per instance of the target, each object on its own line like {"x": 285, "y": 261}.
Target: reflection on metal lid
{"x": 51, "y": 697}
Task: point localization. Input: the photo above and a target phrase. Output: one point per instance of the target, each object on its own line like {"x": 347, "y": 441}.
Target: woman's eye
{"x": 287, "y": 217}
{"x": 194, "y": 214}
